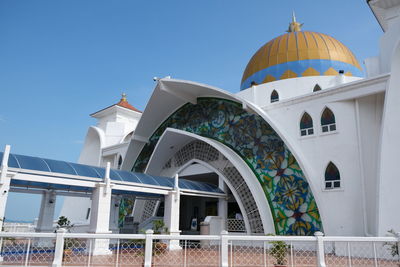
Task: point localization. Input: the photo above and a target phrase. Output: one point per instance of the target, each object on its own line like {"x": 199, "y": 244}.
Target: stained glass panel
{"x": 290, "y": 199}
{"x": 327, "y": 117}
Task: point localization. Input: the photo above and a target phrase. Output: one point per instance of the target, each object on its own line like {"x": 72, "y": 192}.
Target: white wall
{"x": 370, "y": 119}
{"x": 289, "y": 88}
{"x": 389, "y": 182}
{"x": 340, "y": 147}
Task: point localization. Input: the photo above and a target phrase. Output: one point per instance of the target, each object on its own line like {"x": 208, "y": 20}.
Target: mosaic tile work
{"x": 292, "y": 203}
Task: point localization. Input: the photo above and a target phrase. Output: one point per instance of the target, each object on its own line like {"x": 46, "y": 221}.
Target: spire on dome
{"x": 294, "y": 26}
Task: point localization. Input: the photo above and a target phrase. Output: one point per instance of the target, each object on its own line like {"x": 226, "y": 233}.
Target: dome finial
{"x": 294, "y": 26}
{"x": 123, "y": 98}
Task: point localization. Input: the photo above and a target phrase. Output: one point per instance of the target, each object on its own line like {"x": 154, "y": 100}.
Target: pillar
{"x": 100, "y": 215}
{"x": 4, "y": 184}
{"x": 46, "y": 214}
{"x": 171, "y": 214}
{"x": 4, "y": 188}
{"x": 223, "y": 204}
{"x": 114, "y": 214}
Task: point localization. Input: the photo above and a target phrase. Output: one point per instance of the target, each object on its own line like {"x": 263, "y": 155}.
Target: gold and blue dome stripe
{"x": 299, "y": 54}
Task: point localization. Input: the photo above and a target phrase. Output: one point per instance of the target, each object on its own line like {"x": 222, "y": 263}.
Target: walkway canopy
{"x": 35, "y": 172}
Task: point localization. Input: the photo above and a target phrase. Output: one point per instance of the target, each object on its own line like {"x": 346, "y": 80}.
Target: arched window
{"x": 328, "y": 122}
{"x": 119, "y": 162}
{"x": 274, "y": 96}
{"x": 306, "y": 125}
{"x": 317, "y": 88}
{"x": 332, "y": 177}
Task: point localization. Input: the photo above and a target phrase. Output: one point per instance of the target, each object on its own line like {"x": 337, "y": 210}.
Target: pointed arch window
{"x": 306, "y": 125}
{"x": 317, "y": 88}
{"x": 328, "y": 122}
{"x": 332, "y": 176}
{"x": 274, "y": 96}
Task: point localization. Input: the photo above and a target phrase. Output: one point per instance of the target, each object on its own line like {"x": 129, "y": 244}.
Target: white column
{"x": 171, "y": 214}
{"x": 4, "y": 184}
{"x": 46, "y": 214}
{"x": 100, "y": 215}
{"x": 223, "y": 204}
{"x": 114, "y": 213}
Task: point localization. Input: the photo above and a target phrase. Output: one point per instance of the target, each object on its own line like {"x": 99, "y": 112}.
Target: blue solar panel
{"x": 62, "y": 167}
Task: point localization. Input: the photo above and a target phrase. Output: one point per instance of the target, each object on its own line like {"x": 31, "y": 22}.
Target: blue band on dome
{"x": 298, "y": 67}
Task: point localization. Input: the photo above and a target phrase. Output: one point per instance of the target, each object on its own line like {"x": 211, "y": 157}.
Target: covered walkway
{"x": 27, "y": 174}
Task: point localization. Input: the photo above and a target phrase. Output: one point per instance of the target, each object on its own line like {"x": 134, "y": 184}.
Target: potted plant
{"x": 279, "y": 251}
{"x": 159, "y": 228}
{"x": 393, "y": 247}
{"x": 69, "y": 243}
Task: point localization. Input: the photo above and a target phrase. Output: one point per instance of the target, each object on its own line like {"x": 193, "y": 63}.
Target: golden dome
{"x": 297, "y": 54}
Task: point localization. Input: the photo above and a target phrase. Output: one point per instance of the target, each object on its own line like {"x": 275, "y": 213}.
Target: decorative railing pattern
{"x": 71, "y": 249}
{"x": 236, "y": 225}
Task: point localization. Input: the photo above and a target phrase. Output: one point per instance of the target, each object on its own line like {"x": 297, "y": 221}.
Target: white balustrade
{"x": 75, "y": 249}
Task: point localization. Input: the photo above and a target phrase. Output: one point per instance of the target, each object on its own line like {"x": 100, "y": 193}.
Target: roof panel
{"x": 146, "y": 179}
{"x": 128, "y": 177}
{"x": 31, "y": 163}
{"x": 60, "y": 166}
{"x": 63, "y": 167}
{"x": 85, "y": 170}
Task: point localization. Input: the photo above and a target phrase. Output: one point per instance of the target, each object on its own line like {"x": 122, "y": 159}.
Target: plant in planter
{"x": 69, "y": 243}
{"x": 63, "y": 222}
{"x": 393, "y": 247}
{"x": 159, "y": 228}
{"x": 279, "y": 251}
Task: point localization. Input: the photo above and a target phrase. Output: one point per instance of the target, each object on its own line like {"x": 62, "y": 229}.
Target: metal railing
{"x": 73, "y": 249}
{"x": 236, "y": 225}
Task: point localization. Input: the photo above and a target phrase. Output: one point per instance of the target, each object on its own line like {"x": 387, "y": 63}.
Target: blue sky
{"x": 62, "y": 60}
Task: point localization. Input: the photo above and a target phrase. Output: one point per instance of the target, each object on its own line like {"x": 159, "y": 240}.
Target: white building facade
{"x": 308, "y": 144}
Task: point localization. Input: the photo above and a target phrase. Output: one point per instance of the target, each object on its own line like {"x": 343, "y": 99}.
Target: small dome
{"x": 298, "y": 54}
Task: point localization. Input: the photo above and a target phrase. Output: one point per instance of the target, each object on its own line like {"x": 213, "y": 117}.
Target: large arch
{"x": 176, "y": 149}
{"x": 293, "y": 207}
{"x": 91, "y": 151}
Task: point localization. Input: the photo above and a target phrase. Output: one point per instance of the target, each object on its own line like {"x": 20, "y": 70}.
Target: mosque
{"x": 308, "y": 144}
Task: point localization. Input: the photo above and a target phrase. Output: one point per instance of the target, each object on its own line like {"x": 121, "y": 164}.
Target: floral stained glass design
{"x": 292, "y": 203}
{"x": 125, "y": 209}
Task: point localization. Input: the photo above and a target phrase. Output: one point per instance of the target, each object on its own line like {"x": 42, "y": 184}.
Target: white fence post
{"x": 59, "y": 251}
{"x": 148, "y": 249}
{"x": 320, "y": 249}
{"x": 224, "y": 249}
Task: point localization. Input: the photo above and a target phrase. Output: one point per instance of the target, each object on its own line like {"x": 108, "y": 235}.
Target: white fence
{"x": 73, "y": 249}
{"x": 18, "y": 227}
